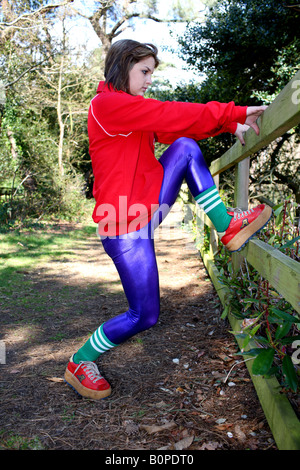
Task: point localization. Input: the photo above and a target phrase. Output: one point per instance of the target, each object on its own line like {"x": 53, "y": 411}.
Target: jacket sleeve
{"x": 119, "y": 113}
{"x": 169, "y": 137}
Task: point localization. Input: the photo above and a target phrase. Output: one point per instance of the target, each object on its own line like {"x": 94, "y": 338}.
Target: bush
{"x": 61, "y": 198}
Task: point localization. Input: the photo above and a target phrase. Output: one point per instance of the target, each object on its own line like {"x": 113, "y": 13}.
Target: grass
{"x": 25, "y": 251}
{"x": 16, "y": 442}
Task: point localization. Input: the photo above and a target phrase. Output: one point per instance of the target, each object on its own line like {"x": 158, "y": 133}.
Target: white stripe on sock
{"x": 207, "y": 203}
{"x": 100, "y": 342}
{"x": 202, "y": 198}
{"x": 104, "y": 348}
{"x": 103, "y": 339}
{"x": 214, "y": 205}
{"x": 95, "y": 347}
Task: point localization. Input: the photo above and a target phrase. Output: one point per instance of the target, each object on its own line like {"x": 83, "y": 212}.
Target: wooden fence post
{"x": 213, "y": 234}
{"x": 241, "y": 195}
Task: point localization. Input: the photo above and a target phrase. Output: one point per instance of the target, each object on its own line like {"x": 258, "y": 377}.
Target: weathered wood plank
{"x": 281, "y": 271}
{"x": 214, "y": 274}
{"x": 283, "y": 114}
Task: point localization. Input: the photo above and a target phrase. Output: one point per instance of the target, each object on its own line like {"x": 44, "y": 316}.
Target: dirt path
{"x": 168, "y": 382}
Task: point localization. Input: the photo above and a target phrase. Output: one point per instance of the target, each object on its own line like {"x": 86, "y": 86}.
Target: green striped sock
{"x": 214, "y": 207}
{"x": 96, "y": 345}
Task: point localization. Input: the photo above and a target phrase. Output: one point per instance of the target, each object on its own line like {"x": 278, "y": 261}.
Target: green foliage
{"x": 58, "y": 197}
{"x": 247, "y": 50}
{"x": 286, "y": 65}
{"x": 30, "y": 134}
{"x": 15, "y": 442}
{"x": 282, "y": 232}
{"x": 238, "y": 44}
{"x": 267, "y": 318}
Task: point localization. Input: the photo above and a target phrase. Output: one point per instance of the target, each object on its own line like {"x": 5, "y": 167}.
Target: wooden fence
{"x": 281, "y": 271}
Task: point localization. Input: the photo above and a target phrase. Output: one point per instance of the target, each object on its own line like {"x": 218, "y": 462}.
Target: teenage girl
{"x": 134, "y": 191}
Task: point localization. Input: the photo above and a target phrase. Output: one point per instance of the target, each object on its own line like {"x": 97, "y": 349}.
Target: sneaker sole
{"x": 83, "y": 391}
{"x": 242, "y": 238}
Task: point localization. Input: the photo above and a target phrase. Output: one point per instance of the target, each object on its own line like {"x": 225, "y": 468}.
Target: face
{"x": 140, "y": 76}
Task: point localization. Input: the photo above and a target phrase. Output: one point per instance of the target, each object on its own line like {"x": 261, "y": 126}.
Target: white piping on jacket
{"x": 110, "y": 135}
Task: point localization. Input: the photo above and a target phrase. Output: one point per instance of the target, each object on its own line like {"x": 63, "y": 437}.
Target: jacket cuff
{"x": 232, "y": 127}
{"x": 239, "y": 114}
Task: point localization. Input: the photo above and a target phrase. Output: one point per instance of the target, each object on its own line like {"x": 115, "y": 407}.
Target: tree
{"x": 19, "y": 19}
{"x": 238, "y": 44}
{"x": 44, "y": 117}
{"x": 25, "y": 15}
{"x": 109, "y": 18}
{"x": 248, "y": 51}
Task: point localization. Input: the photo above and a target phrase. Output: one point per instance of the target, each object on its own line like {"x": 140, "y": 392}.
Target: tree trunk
{"x": 60, "y": 121}
{"x": 13, "y": 145}
{"x": 2, "y": 101}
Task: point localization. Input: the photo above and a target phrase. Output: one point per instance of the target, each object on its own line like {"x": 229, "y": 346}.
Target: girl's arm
{"x": 121, "y": 113}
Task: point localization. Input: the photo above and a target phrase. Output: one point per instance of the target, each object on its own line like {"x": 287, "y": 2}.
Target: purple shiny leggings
{"x": 134, "y": 256}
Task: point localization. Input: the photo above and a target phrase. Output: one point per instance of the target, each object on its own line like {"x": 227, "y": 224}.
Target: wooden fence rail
{"x": 281, "y": 271}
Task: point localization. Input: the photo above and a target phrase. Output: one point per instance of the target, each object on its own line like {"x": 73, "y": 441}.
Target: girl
{"x": 134, "y": 191}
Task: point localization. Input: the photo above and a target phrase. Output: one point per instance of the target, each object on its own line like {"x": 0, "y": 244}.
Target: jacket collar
{"x": 103, "y": 88}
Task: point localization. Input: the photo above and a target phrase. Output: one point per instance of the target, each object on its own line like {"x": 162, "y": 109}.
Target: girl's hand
{"x": 253, "y": 113}
{"x": 239, "y": 133}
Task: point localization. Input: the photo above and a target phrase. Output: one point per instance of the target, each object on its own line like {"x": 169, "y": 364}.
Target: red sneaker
{"x": 86, "y": 380}
{"x": 244, "y": 225}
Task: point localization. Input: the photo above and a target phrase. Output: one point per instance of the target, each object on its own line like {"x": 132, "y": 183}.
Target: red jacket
{"x": 122, "y": 131}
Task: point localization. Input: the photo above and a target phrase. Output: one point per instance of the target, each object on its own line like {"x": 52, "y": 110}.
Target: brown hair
{"x": 120, "y": 59}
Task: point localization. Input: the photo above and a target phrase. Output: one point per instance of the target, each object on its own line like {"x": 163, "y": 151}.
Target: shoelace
{"x": 239, "y": 213}
{"x": 91, "y": 370}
